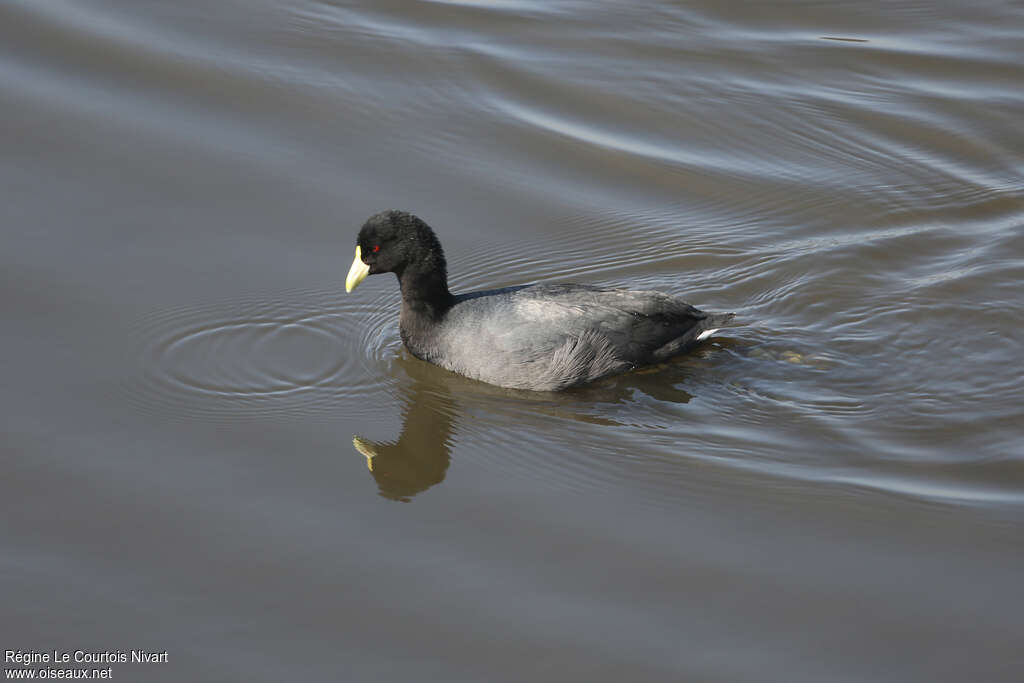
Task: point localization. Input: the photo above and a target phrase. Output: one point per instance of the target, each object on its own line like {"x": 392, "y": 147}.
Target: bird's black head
{"x": 400, "y": 243}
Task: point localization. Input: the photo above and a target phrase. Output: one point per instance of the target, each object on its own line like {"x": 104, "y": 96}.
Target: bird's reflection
{"x": 419, "y": 458}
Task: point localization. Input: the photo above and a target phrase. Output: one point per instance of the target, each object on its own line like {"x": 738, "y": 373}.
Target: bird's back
{"x": 551, "y": 337}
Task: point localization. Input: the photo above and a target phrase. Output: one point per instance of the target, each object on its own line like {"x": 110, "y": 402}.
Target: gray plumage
{"x": 538, "y": 337}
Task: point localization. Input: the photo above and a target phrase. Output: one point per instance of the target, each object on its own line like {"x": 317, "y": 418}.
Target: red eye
{"x": 376, "y": 248}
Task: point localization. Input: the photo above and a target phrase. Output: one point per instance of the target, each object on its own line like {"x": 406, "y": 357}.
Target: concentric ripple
{"x": 303, "y": 351}
{"x": 254, "y": 357}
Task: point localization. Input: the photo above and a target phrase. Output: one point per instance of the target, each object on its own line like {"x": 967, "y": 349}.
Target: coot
{"x": 537, "y": 337}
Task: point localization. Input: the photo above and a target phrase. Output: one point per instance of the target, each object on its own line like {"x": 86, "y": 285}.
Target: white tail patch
{"x": 707, "y": 333}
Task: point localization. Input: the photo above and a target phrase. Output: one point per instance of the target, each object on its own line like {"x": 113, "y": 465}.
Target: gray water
{"x": 831, "y": 490}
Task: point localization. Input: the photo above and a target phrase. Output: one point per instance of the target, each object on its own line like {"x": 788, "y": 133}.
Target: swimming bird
{"x": 541, "y": 337}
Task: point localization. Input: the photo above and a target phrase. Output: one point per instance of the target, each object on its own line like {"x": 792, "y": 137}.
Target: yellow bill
{"x": 366, "y": 448}
{"x": 357, "y": 273}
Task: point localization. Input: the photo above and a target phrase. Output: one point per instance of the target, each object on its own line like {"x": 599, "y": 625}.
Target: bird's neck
{"x": 425, "y": 300}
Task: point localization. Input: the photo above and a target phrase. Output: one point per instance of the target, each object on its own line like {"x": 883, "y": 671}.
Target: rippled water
{"x": 210, "y": 449}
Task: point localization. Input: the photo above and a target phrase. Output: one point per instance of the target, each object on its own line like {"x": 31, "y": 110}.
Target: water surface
{"x": 210, "y": 449}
